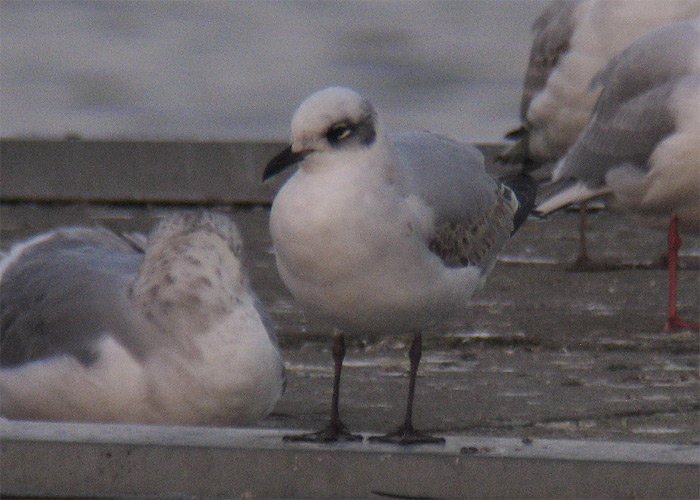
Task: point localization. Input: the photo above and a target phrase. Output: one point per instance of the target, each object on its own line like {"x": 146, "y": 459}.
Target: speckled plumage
{"x": 461, "y": 244}
{"x": 95, "y": 328}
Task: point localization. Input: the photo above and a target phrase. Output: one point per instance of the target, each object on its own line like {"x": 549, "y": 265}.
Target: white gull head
{"x": 331, "y": 120}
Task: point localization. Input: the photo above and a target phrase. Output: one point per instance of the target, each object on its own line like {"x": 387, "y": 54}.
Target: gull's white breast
{"x": 351, "y": 247}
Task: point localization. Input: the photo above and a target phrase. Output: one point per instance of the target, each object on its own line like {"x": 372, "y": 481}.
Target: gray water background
{"x": 236, "y": 70}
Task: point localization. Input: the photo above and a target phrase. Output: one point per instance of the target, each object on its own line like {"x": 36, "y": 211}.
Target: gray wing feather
{"x": 632, "y": 114}
{"x": 473, "y": 212}
{"x": 448, "y": 175}
{"x": 630, "y": 135}
{"x": 62, "y": 294}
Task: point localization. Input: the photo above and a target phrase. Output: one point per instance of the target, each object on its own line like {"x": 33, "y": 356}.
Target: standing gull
{"x": 573, "y": 41}
{"x": 95, "y": 329}
{"x": 642, "y": 143}
{"x": 384, "y": 233}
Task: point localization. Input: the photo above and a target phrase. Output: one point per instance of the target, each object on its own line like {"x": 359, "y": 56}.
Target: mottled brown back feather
{"x": 460, "y": 245}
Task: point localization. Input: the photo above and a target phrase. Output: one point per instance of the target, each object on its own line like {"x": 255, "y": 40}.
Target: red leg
{"x": 673, "y": 322}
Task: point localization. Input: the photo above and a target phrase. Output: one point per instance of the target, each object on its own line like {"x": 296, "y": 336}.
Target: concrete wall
{"x": 132, "y": 171}
{"x": 138, "y": 171}
{"x": 50, "y": 460}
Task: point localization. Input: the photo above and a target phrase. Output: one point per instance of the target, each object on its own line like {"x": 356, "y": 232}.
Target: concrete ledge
{"x": 141, "y": 171}
{"x": 135, "y": 171}
{"x": 52, "y": 460}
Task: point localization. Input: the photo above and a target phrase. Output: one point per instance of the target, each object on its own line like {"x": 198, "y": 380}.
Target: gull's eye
{"x": 338, "y": 132}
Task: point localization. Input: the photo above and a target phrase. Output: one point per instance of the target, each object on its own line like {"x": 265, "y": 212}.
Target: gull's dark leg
{"x": 406, "y": 434}
{"x": 673, "y": 322}
{"x": 583, "y": 262}
{"x": 335, "y": 430}
{"x": 582, "y": 259}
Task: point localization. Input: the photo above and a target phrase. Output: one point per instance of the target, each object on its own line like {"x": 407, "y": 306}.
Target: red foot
{"x": 675, "y": 324}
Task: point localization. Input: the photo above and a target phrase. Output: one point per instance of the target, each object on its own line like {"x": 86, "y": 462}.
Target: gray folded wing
{"x": 633, "y": 113}
{"x": 62, "y": 294}
{"x": 473, "y": 213}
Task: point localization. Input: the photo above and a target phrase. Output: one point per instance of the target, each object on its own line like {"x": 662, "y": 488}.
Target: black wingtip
{"x": 525, "y": 188}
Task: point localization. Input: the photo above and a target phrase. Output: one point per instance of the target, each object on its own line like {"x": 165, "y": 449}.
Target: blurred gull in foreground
{"x": 642, "y": 143}
{"x": 382, "y": 233}
{"x": 573, "y": 41}
{"x": 95, "y": 329}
